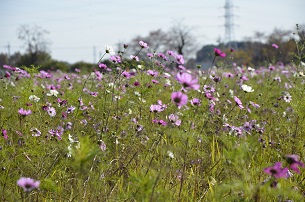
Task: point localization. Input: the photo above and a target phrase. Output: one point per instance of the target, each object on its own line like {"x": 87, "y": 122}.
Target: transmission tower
{"x": 229, "y": 25}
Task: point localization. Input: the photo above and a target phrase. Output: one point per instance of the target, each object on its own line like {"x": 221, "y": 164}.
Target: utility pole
{"x": 229, "y": 25}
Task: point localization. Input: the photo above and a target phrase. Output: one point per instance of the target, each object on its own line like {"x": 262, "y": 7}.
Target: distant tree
{"x": 157, "y": 41}
{"x": 182, "y": 39}
{"x": 3, "y": 59}
{"x": 179, "y": 38}
{"x": 36, "y": 44}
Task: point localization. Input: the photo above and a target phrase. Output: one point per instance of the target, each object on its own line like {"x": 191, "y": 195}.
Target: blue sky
{"x": 76, "y": 26}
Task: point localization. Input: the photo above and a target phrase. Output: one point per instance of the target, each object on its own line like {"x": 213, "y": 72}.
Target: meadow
{"x": 154, "y": 131}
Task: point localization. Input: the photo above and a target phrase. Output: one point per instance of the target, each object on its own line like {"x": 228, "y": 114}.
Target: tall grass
{"x": 105, "y": 143}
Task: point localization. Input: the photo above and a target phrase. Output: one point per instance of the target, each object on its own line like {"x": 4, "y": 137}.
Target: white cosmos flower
{"x": 246, "y": 88}
{"x": 34, "y": 98}
{"x": 53, "y": 93}
{"x": 109, "y": 50}
{"x": 170, "y": 154}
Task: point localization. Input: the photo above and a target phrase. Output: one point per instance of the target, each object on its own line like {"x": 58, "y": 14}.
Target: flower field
{"x": 152, "y": 130}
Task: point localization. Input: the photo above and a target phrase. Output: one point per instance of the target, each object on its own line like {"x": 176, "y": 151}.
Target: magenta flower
{"x": 7, "y": 74}
{"x": 152, "y": 73}
{"x": 126, "y": 74}
{"x": 24, "y": 112}
{"x": 179, "y": 98}
{"x": 4, "y": 133}
{"x": 28, "y": 184}
{"x": 102, "y": 66}
{"x": 143, "y": 45}
{"x": 277, "y": 171}
{"x": 219, "y": 53}
{"x": 293, "y": 161}
{"x": 238, "y": 102}
{"x": 160, "y": 122}
{"x": 195, "y": 102}
{"x": 187, "y": 81}
{"x": 275, "y": 46}
{"x": 94, "y": 94}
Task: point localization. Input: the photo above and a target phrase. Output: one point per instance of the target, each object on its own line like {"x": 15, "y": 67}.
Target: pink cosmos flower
{"x": 179, "y": 98}
{"x": 179, "y": 59}
{"x": 126, "y": 74}
{"x": 160, "y": 122}
{"x": 156, "y": 108}
{"x": 143, "y": 44}
{"x": 275, "y": 46}
{"x": 4, "y": 133}
{"x": 293, "y": 161}
{"x": 51, "y": 111}
{"x": 102, "y": 66}
{"x": 277, "y": 171}
{"x": 187, "y": 81}
{"x": 28, "y": 184}
{"x": 238, "y": 102}
{"x": 102, "y": 145}
{"x": 195, "y": 102}
{"x": 152, "y": 73}
{"x": 150, "y": 55}
{"x": 133, "y": 57}
{"x": 219, "y": 53}
{"x": 115, "y": 59}
{"x": 173, "y": 118}
{"x": 24, "y": 112}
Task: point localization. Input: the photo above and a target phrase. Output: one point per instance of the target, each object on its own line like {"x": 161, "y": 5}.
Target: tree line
{"x": 253, "y": 51}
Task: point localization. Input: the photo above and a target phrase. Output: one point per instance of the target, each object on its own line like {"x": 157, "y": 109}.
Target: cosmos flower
{"x": 170, "y": 154}
{"x": 218, "y": 52}
{"x": 4, "y": 133}
{"x": 287, "y": 97}
{"x": 35, "y": 132}
{"x": 238, "y": 102}
{"x": 179, "y": 98}
{"x": 133, "y": 57}
{"x": 24, "y": 112}
{"x": 115, "y": 59}
{"x": 51, "y": 111}
{"x": 293, "y": 161}
{"x": 109, "y": 49}
{"x": 187, "y": 81}
{"x": 102, "y": 145}
{"x": 143, "y": 44}
{"x": 277, "y": 171}
{"x": 196, "y": 102}
{"x": 246, "y": 88}
{"x": 34, "y": 98}
{"x": 179, "y": 59}
{"x": 173, "y": 118}
{"x": 275, "y": 46}
{"x": 28, "y": 184}
{"x": 53, "y": 93}
{"x": 102, "y": 66}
